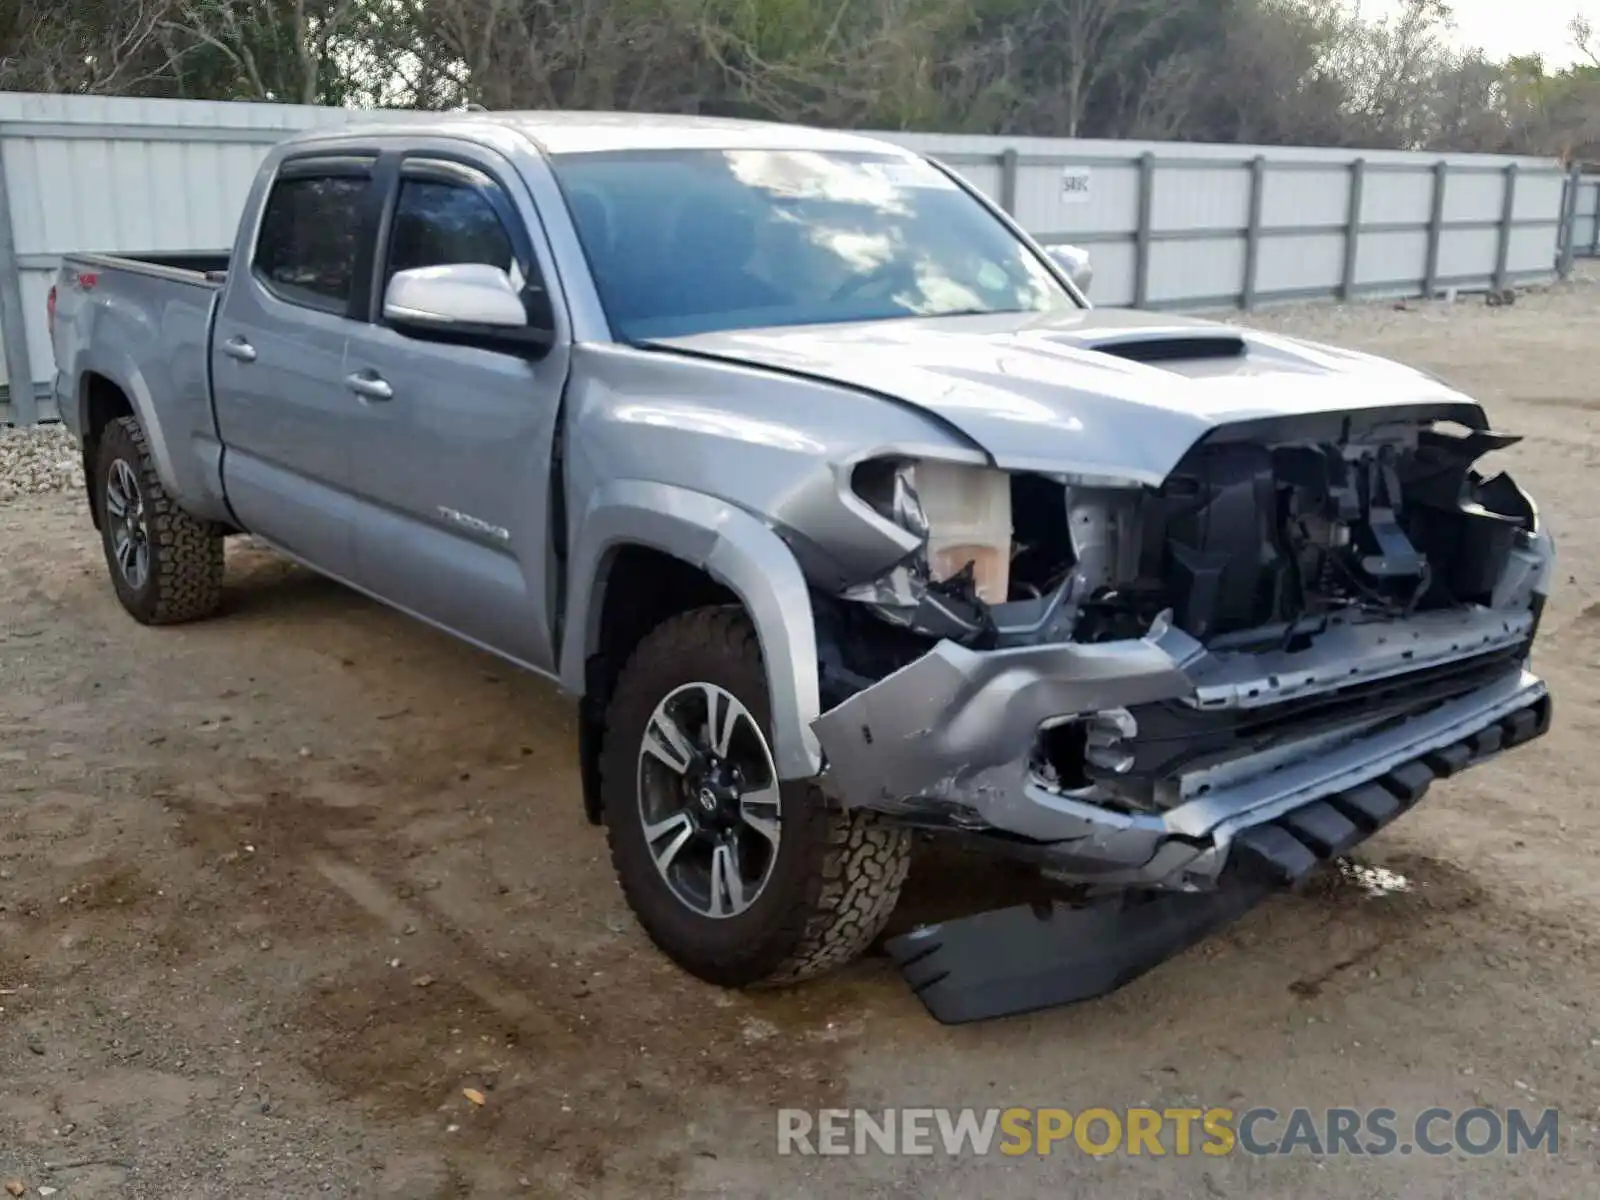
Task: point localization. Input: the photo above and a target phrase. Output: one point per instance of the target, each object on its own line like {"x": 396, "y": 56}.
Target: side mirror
{"x": 1074, "y": 260}
{"x": 470, "y": 302}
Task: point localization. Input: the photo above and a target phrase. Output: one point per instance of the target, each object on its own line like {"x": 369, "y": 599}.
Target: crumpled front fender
{"x": 737, "y": 550}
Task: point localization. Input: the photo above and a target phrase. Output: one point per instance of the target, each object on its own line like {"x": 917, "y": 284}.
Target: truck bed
{"x": 209, "y": 267}
{"x": 147, "y": 318}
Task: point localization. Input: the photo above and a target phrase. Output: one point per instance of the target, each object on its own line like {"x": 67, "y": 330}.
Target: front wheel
{"x": 739, "y": 877}
{"x": 165, "y": 565}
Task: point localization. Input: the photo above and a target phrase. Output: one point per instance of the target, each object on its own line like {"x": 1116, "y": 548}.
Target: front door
{"x": 453, "y": 463}
{"x": 277, "y": 359}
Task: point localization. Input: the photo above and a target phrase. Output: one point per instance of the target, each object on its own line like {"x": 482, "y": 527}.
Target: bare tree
{"x": 1271, "y": 82}
{"x": 108, "y": 49}
{"x": 1160, "y": 99}
{"x": 1079, "y": 68}
{"x": 1090, "y": 43}
{"x": 1387, "y": 66}
{"x": 1468, "y": 107}
{"x": 1581, "y": 30}
{"x": 284, "y": 50}
{"x": 835, "y": 62}
{"x": 605, "y": 54}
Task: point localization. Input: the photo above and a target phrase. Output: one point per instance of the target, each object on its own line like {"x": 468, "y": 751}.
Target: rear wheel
{"x": 739, "y": 877}
{"x": 165, "y": 565}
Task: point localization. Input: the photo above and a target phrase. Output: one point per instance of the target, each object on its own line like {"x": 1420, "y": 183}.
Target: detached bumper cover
{"x": 1016, "y": 960}
{"x": 952, "y": 734}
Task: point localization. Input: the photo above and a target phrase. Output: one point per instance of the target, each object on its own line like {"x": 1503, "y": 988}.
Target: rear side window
{"x": 310, "y": 233}
{"x": 444, "y": 224}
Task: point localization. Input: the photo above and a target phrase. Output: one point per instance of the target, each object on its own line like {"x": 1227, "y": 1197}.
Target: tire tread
{"x": 186, "y": 554}
{"x": 856, "y": 861}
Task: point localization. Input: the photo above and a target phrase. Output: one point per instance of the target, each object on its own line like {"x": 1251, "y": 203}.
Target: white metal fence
{"x": 1586, "y": 217}
{"x": 1170, "y": 225}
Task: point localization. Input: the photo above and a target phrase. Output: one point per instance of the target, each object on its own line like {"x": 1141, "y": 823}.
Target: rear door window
{"x": 310, "y": 238}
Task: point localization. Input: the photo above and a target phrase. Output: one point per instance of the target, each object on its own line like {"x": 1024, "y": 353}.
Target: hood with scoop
{"x": 1106, "y": 395}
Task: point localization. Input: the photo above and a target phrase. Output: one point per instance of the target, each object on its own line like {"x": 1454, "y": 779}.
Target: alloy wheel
{"x": 709, "y": 800}
{"x": 130, "y": 532}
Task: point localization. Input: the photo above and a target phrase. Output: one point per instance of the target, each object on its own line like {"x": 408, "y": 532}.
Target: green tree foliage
{"x": 1252, "y": 71}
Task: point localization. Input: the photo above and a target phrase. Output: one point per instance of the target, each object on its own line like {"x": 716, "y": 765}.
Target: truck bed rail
{"x": 200, "y": 270}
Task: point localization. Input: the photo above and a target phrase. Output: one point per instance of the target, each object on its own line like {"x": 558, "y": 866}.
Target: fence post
{"x": 1569, "y": 220}
{"x": 1594, "y": 228}
{"x": 1147, "y": 197}
{"x": 1352, "y": 233}
{"x": 1008, "y": 181}
{"x": 1508, "y": 212}
{"x": 1430, "y": 276}
{"x": 13, "y": 321}
{"x": 1252, "y": 233}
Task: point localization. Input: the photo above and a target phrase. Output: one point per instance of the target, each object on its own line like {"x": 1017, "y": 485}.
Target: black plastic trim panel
{"x": 1017, "y": 960}
{"x": 1285, "y": 851}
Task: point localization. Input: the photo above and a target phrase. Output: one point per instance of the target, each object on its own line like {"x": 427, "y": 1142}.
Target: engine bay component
{"x": 1222, "y": 561}
{"x": 968, "y": 516}
{"x": 1245, "y": 537}
{"x": 1255, "y": 542}
{"x": 1004, "y": 559}
{"x": 962, "y": 514}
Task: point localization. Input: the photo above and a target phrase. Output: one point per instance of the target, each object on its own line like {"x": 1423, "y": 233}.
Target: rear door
{"x": 454, "y": 467}
{"x": 284, "y": 412}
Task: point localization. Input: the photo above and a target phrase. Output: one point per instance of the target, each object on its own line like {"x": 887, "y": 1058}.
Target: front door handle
{"x": 369, "y": 387}
{"x": 240, "y": 349}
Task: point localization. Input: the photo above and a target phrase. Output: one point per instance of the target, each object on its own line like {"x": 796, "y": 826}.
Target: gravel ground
{"x": 277, "y": 888}
{"x": 37, "y": 461}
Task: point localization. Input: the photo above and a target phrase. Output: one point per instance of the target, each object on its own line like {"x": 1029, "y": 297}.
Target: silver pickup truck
{"x": 842, "y": 512}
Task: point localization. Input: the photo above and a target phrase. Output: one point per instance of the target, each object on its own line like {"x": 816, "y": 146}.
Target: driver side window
{"x": 444, "y": 224}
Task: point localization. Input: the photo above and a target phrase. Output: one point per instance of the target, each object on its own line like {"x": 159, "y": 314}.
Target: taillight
{"x": 50, "y": 310}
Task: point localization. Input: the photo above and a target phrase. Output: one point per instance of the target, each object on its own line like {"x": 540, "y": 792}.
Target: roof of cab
{"x": 579, "y": 132}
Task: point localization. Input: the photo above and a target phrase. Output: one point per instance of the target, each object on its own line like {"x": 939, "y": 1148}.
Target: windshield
{"x": 694, "y": 241}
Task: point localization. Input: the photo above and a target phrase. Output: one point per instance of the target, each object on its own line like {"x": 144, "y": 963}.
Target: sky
{"x": 1504, "y": 27}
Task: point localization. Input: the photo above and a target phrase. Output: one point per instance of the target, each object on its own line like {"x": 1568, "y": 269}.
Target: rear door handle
{"x": 369, "y": 387}
{"x": 240, "y": 349}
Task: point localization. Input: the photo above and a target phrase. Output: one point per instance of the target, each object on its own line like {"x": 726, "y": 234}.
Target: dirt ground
{"x": 276, "y": 888}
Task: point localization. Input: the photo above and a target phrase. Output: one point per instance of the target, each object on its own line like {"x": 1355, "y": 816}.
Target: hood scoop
{"x": 1171, "y": 348}
{"x": 1080, "y": 397}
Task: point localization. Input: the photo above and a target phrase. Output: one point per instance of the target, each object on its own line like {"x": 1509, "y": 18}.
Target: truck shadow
{"x": 262, "y": 584}
{"x": 1350, "y": 917}
{"x": 949, "y": 880}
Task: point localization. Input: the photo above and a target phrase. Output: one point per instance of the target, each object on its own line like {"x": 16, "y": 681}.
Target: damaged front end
{"x": 1122, "y": 682}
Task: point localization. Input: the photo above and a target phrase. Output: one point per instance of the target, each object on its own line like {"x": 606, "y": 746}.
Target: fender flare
{"x": 124, "y": 374}
{"x": 739, "y": 551}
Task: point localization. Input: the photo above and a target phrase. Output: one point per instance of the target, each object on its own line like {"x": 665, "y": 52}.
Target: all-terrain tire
{"x": 837, "y": 874}
{"x": 184, "y": 579}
